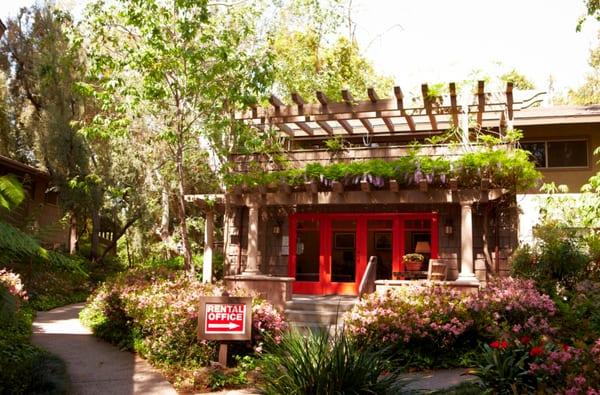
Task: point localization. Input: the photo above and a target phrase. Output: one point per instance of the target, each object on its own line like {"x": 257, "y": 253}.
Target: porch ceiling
{"x": 384, "y": 116}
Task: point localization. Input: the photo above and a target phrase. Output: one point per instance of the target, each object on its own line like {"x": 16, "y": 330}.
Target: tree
{"x": 318, "y": 57}
{"x": 180, "y": 68}
{"x": 592, "y": 10}
{"x": 589, "y": 92}
{"x": 40, "y": 66}
{"x": 520, "y": 81}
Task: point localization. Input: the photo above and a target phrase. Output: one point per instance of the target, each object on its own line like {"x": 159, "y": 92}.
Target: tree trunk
{"x": 95, "y": 242}
{"x": 486, "y": 243}
{"x": 116, "y": 236}
{"x": 187, "y": 251}
{"x": 165, "y": 217}
{"x": 73, "y": 237}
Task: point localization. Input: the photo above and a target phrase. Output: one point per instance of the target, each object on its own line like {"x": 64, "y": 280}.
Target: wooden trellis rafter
{"x": 379, "y": 116}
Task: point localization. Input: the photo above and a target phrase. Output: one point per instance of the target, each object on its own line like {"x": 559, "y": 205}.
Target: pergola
{"x": 387, "y": 116}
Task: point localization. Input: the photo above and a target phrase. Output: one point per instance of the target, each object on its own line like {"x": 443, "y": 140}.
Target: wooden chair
{"x": 437, "y": 271}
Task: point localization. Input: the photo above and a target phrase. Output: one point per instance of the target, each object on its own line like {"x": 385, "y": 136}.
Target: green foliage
{"x": 154, "y": 311}
{"x": 24, "y": 368}
{"x": 519, "y": 80}
{"x": 18, "y": 246}
{"x": 593, "y": 10}
{"x": 507, "y": 168}
{"x": 319, "y": 363}
{"x": 503, "y": 370}
{"x": 11, "y": 192}
{"x": 557, "y": 260}
{"x": 336, "y": 144}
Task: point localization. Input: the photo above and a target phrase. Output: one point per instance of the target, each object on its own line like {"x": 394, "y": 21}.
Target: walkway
{"x": 94, "y": 366}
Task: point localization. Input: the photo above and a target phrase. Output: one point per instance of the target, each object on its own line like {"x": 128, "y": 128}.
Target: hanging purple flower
{"x": 429, "y": 178}
{"x": 418, "y": 176}
{"x": 443, "y": 178}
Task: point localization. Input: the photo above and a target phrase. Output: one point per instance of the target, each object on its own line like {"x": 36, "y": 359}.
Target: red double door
{"x": 329, "y": 252}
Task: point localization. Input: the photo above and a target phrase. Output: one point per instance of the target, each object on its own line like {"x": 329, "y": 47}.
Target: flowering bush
{"x": 434, "y": 320}
{"x": 156, "y": 313}
{"x": 429, "y": 319}
{"x": 13, "y": 284}
{"x": 523, "y": 366}
{"x": 509, "y": 305}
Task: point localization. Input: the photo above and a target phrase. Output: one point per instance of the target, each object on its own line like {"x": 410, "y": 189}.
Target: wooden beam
{"x": 400, "y": 105}
{"x": 311, "y": 187}
{"x": 405, "y": 196}
{"x": 347, "y": 97}
{"x": 296, "y": 98}
{"x": 337, "y": 187}
{"x": 480, "y": 101}
{"x": 390, "y": 125}
{"x": 285, "y": 128}
{"x": 299, "y": 100}
{"x": 285, "y": 188}
{"x": 453, "y": 105}
{"x": 367, "y": 124}
{"x": 322, "y": 99}
{"x": 346, "y": 125}
{"x": 509, "y": 100}
{"x": 428, "y": 106}
{"x": 365, "y": 186}
{"x": 372, "y": 95}
{"x": 275, "y": 102}
{"x": 325, "y": 126}
{"x": 307, "y": 129}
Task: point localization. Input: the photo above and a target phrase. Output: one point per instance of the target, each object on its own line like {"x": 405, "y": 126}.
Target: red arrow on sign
{"x": 229, "y": 325}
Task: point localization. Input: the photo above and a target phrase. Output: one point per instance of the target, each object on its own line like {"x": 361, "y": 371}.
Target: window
{"x": 558, "y": 153}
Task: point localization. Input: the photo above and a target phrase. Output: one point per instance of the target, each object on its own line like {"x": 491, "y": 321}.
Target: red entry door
{"x": 329, "y": 252}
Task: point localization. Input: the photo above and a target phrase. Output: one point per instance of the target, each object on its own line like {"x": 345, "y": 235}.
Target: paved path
{"x": 94, "y": 366}
{"x": 436, "y": 380}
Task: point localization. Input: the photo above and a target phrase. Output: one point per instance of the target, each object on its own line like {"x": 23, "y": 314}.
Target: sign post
{"x": 225, "y": 318}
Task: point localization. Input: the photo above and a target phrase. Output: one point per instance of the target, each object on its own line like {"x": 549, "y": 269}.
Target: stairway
{"x": 318, "y": 311}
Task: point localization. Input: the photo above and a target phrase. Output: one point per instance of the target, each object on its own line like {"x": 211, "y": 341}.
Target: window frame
{"x": 559, "y": 140}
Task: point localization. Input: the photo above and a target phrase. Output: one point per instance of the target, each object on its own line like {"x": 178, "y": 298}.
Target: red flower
{"x": 525, "y": 340}
{"x": 565, "y": 347}
{"x": 503, "y": 344}
{"x": 495, "y": 344}
{"x": 535, "y": 351}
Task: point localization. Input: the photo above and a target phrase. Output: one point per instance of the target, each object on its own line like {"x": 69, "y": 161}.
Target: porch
{"x": 312, "y": 232}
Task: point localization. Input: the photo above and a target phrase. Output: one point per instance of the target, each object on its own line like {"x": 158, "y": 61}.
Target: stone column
{"x": 466, "y": 274}
{"x": 252, "y": 250}
{"x": 207, "y": 266}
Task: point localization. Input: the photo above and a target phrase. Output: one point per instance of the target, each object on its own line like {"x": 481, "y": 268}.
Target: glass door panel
{"x": 343, "y": 251}
{"x": 308, "y": 251}
{"x": 380, "y": 245}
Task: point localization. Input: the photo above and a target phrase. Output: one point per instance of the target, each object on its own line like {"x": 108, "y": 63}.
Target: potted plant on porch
{"x": 413, "y": 262}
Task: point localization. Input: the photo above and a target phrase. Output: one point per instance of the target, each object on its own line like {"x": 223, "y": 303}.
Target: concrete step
{"x": 340, "y": 304}
{"x": 316, "y": 317}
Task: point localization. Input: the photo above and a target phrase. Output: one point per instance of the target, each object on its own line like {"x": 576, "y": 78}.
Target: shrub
{"x": 318, "y": 363}
{"x": 542, "y": 366}
{"x": 557, "y": 261}
{"x": 24, "y": 368}
{"x": 430, "y": 325}
{"x": 422, "y": 321}
{"x": 510, "y": 305}
{"x": 155, "y": 312}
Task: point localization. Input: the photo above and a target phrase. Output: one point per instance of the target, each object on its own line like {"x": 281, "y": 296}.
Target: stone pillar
{"x": 207, "y": 266}
{"x": 466, "y": 274}
{"x": 252, "y": 250}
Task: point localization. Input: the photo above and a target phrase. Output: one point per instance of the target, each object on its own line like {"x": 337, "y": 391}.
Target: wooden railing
{"x": 367, "y": 284}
